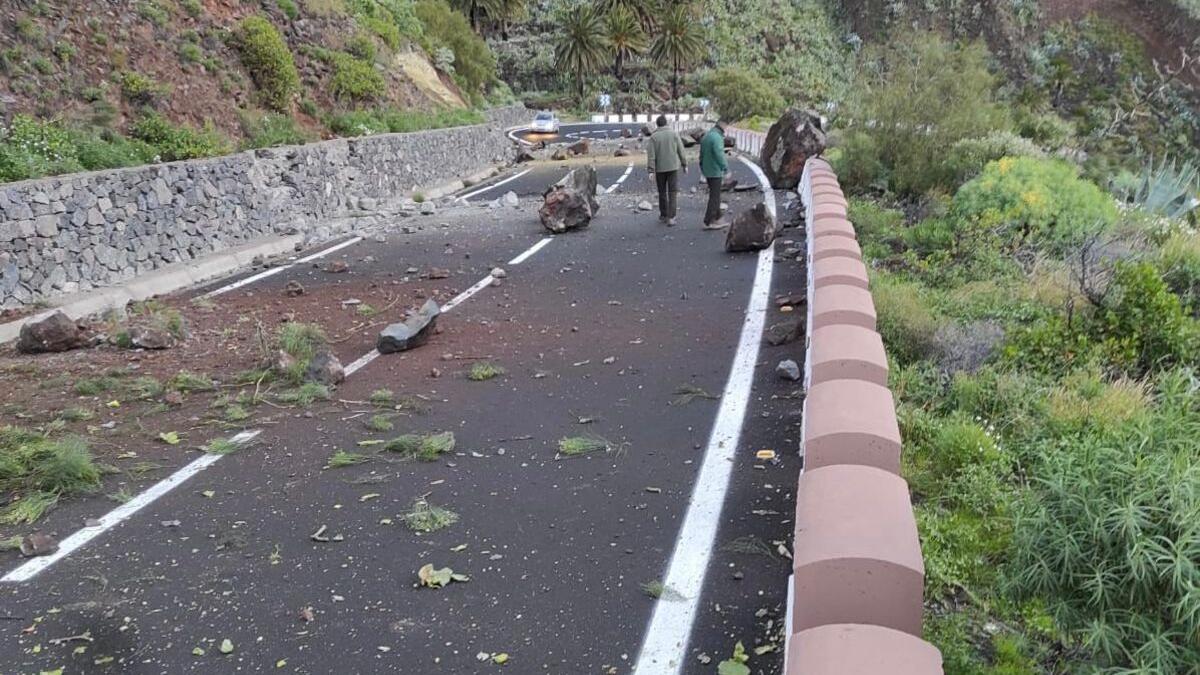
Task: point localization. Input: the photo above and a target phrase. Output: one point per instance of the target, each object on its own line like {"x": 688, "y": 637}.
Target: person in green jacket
{"x": 664, "y": 160}
{"x": 714, "y": 168}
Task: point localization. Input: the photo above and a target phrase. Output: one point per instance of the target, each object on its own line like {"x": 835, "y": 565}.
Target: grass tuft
{"x": 425, "y": 448}
{"x": 76, "y": 414}
{"x": 42, "y": 469}
{"x": 29, "y": 508}
{"x": 686, "y": 393}
{"x": 94, "y": 386}
{"x": 573, "y": 446}
{"x": 342, "y": 459}
{"x": 484, "y": 371}
{"x": 305, "y": 394}
{"x": 222, "y": 446}
{"x": 145, "y": 388}
{"x": 382, "y": 398}
{"x": 186, "y": 381}
{"x": 380, "y": 423}
{"x": 425, "y": 517}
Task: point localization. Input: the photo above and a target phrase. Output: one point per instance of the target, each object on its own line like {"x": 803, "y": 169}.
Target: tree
{"x": 626, "y": 39}
{"x": 738, "y": 94}
{"x": 501, "y": 13}
{"x": 678, "y": 44}
{"x": 582, "y": 47}
{"x": 646, "y": 11}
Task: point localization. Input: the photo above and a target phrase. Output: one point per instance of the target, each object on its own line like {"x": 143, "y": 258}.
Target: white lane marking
{"x": 122, "y": 512}
{"x": 530, "y": 251}
{"x": 493, "y": 185}
{"x": 768, "y": 193}
{"x": 73, "y": 542}
{"x": 513, "y": 136}
{"x": 614, "y": 186}
{"x": 276, "y": 270}
{"x": 667, "y": 635}
{"x": 457, "y": 300}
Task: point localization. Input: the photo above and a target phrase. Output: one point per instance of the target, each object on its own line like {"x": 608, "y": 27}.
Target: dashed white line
{"x": 276, "y": 270}
{"x": 530, "y": 251}
{"x": 122, "y": 512}
{"x": 663, "y": 651}
{"x": 614, "y": 186}
{"x": 493, "y": 185}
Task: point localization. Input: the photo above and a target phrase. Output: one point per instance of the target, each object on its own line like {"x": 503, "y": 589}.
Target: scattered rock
{"x": 55, "y": 333}
{"x": 498, "y": 273}
{"x": 571, "y": 202}
{"x": 783, "y": 332}
{"x": 147, "y": 337}
{"x": 428, "y": 208}
{"x": 173, "y": 398}
{"x": 510, "y": 199}
{"x": 283, "y": 362}
{"x": 645, "y": 206}
{"x": 790, "y": 142}
{"x": 524, "y": 155}
{"x": 325, "y": 368}
{"x": 293, "y": 289}
{"x": 438, "y": 273}
{"x": 559, "y": 155}
{"x": 751, "y": 230}
{"x": 413, "y": 332}
{"x": 38, "y": 543}
{"x": 580, "y": 147}
{"x": 621, "y": 151}
{"x": 788, "y": 370}
{"x": 337, "y": 267}
{"x": 626, "y": 133}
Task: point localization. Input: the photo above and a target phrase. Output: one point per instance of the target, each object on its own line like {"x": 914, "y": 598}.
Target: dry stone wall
{"x": 72, "y": 233}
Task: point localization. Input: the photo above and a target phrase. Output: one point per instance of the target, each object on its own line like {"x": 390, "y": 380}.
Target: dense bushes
{"x": 914, "y": 100}
{"x": 474, "y": 63}
{"x": 173, "y": 142}
{"x": 31, "y": 149}
{"x": 267, "y": 57}
{"x": 367, "y": 122}
{"x": 1027, "y": 200}
{"x": 355, "y": 80}
{"x": 739, "y": 94}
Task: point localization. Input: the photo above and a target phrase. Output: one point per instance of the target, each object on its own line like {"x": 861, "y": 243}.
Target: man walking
{"x": 664, "y": 160}
{"x": 714, "y": 168}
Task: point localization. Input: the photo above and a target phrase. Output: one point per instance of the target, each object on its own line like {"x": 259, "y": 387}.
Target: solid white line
{"x": 614, "y": 186}
{"x": 663, "y": 651}
{"x": 493, "y": 185}
{"x": 276, "y": 270}
{"x": 530, "y": 251}
{"x": 513, "y": 136}
{"x": 461, "y": 297}
{"x": 768, "y": 194}
{"x": 122, "y": 512}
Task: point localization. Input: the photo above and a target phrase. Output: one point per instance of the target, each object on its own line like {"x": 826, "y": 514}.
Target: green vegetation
{"x": 382, "y": 398}
{"x": 341, "y": 459}
{"x": 301, "y": 342}
{"x": 574, "y": 446}
{"x": 474, "y": 63}
{"x": 367, "y": 122}
{"x": 380, "y": 423}
{"x": 268, "y": 130}
{"x": 36, "y": 470}
{"x": 426, "y": 448}
{"x": 741, "y": 94}
{"x": 424, "y": 517}
{"x": 266, "y": 55}
{"x": 186, "y": 382}
{"x": 355, "y": 80}
{"x": 483, "y": 370}
{"x": 141, "y": 89}
{"x": 305, "y": 394}
{"x": 289, "y": 8}
{"x": 172, "y": 142}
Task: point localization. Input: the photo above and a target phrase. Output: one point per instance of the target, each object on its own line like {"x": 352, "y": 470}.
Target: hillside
{"x": 200, "y": 77}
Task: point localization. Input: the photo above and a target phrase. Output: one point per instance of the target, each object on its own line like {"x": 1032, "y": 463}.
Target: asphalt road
{"x": 597, "y": 331}
{"x": 569, "y": 133}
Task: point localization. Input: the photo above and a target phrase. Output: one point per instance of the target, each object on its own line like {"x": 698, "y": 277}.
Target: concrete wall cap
{"x": 851, "y": 422}
{"x": 859, "y": 649}
{"x": 833, "y": 226}
{"x": 834, "y": 270}
{"x": 843, "y": 352}
{"x": 842, "y": 303}
{"x": 830, "y": 247}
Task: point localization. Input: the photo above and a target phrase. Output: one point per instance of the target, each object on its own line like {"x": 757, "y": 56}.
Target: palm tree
{"x": 626, "y": 39}
{"x": 477, "y": 9}
{"x": 646, "y": 11}
{"x": 679, "y": 43}
{"x": 582, "y": 47}
{"x": 509, "y": 12}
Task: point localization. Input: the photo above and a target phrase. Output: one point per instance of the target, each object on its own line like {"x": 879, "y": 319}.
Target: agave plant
{"x": 1171, "y": 190}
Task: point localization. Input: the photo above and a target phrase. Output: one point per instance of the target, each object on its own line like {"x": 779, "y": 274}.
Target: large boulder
{"x": 791, "y": 141}
{"x": 55, "y": 333}
{"x": 580, "y": 147}
{"x": 751, "y": 230}
{"x": 571, "y": 202}
{"x": 559, "y": 155}
{"x": 150, "y": 337}
{"x": 412, "y": 332}
{"x": 524, "y": 155}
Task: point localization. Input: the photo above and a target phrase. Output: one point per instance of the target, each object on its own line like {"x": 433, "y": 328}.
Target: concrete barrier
{"x": 851, "y": 422}
{"x": 843, "y": 352}
{"x": 832, "y": 226}
{"x": 859, "y": 649}
{"x": 840, "y": 270}
{"x": 842, "y": 303}
{"x": 857, "y": 556}
{"x": 832, "y": 247}
{"x": 824, "y": 209}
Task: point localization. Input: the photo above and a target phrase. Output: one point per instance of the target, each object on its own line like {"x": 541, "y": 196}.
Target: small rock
{"x": 337, "y": 267}
{"x": 293, "y": 289}
{"x": 325, "y": 368}
{"x": 559, "y": 155}
{"x": 783, "y": 332}
{"x": 788, "y": 370}
{"x": 146, "y": 337}
{"x": 38, "y": 543}
{"x": 55, "y": 333}
{"x": 621, "y": 151}
{"x": 173, "y": 398}
{"x": 645, "y": 206}
{"x": 428, "y": 208}
{"x": 170, "y": 523}
{"x": 738, "y": 576}
{"x": 410, "y": 333}
{"x": 368, "y": 259}
{"x": 435, "y": 373}
{"x": 93, "y": 522}
{"x": 438, "y": 273}
{"x": 498, "y": 273}
{"x": 510, "y": 199}
{"x": 380, "y": 239}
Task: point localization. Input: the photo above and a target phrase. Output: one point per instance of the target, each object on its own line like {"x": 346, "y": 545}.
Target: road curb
{"x": 160, "y": 282}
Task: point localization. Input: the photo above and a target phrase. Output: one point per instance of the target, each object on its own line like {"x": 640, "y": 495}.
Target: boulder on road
{"x": 38, "y": 543}
{"x": 790, "y": 142}
{"x": 325, "y": 368}
{"x": 524, "y": 155}
{"x": 580, "y": 147}
{"x": 510, "y": 199}
{"x": 695, "y": 134}
{"x": 621, "y": 151}
{"x": 55, "y": 333}
{"x": 412, "y": 332}
{"x": 571, "y": 202}
{"x": 751, "y": 230}
{"x": 149, "y": 337}
{"x": 559, "y": 155}
{"x": 647, "y": 130}
{"x": 626, "y": 133}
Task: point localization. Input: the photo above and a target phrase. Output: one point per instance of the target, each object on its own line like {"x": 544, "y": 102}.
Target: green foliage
{"x": 678, "y": 43}
{"x": 483, "y": 370}
{"x": 266, "y": 55}
{"x": 581, "y": 49}
{"x": 186, "y": 381}
{"x": 30, "y": 148}
{"x": 1179, "y": 262}
{"x": 969, "y": 156}
{"x": 190, "y": 52}
{"x": 626, "y": 37}
{"x": 426, "y": 448}
{"x": 301, "y": 342}
{"x": 193, "y": 8}
{"x": 153, "y": 12}
{"x": 1141, "y": 324}
{"x": 271, "y": 130}
{"x": 390, "y": 20}
{"x": 176, "y": 142}
{"x": 140, "y": 89}
{"x": 909, "y": 139}
{"x": 424, "y": 517}
{"x": 367, "y": 122}
{"x": 41, "y": 469}
{"x": 1108, "y": 535}
{"x": 474, "y": 63}
{"x": 1171, "y": 191}
{"x": 362, "y": 46}
{"x": 904, "y": 318}
{"x": 738, "y": 94}
{"x": 289, "y": 8}
{"x": 355, "y": 80}
{"x": 305, "y": 394}
{"x": 1036, "y": 201}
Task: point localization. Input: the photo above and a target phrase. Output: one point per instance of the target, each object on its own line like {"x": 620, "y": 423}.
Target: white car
{"x": 545, "y": 122}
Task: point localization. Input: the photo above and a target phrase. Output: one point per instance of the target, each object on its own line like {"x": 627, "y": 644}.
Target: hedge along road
{"x": 596, "y": 331}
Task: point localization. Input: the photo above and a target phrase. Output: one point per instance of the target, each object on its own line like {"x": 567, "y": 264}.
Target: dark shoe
{"x": 718, "y": 224}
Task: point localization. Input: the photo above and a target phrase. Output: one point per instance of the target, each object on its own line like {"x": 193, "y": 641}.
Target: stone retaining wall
{"x": 858, "y": 576}
{"x": 71, "y": 233}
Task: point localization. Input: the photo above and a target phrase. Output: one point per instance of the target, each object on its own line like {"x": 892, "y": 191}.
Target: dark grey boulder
{"x": 790, "y": 142}
{"x": 751, "y": 230}
{"x": 412, "y": 332}
{"x": 325, "y": 368}
{"x": 55, "y": 333}
{"x": 571, "y": 202}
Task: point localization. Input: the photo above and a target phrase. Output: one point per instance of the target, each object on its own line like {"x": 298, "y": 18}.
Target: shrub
{"x": 355, "y": 80}
{"x": 30, "y": 148}
{"x": 1179, "y": 262}
{"x": 1141, "y": 323}
{"x": 153, "y": 12}
{"x": 878, "y": 229}
{"x": 362, "y": 46}
{"x": 1037, "y": 201}
{"x": 474, "y": 63}
{"x": 289, "y": 9}
{"x": 110, "y": 151}
{"x": 190, "y": 52}
{"x": 140, "y": 89}
{"x": 176, "y": 142}
{"x": 390, "y": 20}
{"x": 270, "y": 130}
{"x": 920, "y": 95}
{"x": 968, "y": 156}
{"x": 193, "y": 7}
{"x": 265, "y": 54}
{"x": 366, "y": 122}
{"x": 903, "y": 317}
{"x": 738, "y": 94}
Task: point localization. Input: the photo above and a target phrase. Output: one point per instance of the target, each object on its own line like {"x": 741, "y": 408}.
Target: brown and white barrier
{"x": 855, "y": 597}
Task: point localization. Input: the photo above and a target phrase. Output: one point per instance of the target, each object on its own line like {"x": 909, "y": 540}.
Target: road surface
{"x": 598, "y": 332}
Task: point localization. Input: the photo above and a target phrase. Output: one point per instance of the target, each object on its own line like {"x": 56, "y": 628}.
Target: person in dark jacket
{"x": 714, "y": 167}
{"x": 664, "y": 160}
